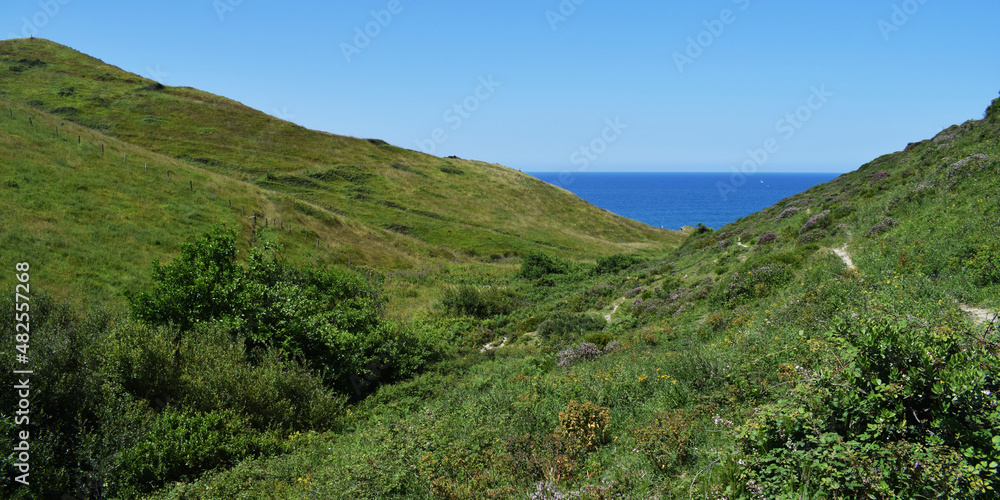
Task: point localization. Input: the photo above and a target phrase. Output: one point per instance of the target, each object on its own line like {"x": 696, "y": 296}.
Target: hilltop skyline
{"x": 572, "y": 84}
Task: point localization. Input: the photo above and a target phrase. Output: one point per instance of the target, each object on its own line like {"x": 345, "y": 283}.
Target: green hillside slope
{"x": 447, "y": 207}
{"x": 90, "y": 210}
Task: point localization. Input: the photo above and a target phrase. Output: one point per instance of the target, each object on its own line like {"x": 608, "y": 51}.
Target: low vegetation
{"x": 748, "y": 362}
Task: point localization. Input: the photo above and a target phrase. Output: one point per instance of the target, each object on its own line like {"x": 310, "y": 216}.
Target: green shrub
{"x": 181, "y": 446}
{"x": 600, "y": 339}
{"x": 79, "y": 416}
{"x": 202, "y": 284}
{"x": 479, "y": 303}
{"x": 667, "y": 441}
{"x": 207, "y": 370}
{"x": 985, "y": 263}
{"x": 753, "y": 280}
{"x": 332, "y": 319}
{"x": 993, "y": 111}
{"x": 615, "y": 263}
{"x": 911, "y": 412}
{"x": 536, "y": 265}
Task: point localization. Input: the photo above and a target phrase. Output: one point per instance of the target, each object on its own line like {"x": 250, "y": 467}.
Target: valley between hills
{"x": 227, "y": 305}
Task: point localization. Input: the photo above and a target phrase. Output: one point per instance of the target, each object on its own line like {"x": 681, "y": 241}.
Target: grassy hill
{"x": 405, "y": 208}
{"x": 829, "y": 346}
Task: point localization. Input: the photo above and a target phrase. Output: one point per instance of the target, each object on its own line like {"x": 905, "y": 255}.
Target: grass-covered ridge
{"x": 441, "y": 208}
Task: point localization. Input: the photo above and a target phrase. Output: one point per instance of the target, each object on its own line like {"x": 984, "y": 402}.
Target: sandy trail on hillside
{"x": 981, "y": 315}
{"x": 617, "y": 304}
{"x": 844, "y": 256}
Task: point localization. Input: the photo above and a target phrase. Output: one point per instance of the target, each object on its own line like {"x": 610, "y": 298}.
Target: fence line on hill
{"x": 278, "y": 223}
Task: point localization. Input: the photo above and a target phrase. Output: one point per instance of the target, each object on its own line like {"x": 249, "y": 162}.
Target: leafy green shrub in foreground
{"x": 207, "y": 370}
{"x": 333, "y": 319}
{"x": 911, "y": 413}
{"x": 108, "y": 382}
{"x": 181, "y": 446}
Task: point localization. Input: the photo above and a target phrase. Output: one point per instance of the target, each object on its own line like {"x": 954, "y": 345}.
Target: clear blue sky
{"x": 557, "y": 72}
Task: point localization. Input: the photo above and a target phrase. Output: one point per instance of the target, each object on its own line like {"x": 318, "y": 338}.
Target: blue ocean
{"x": 672, "y": 200}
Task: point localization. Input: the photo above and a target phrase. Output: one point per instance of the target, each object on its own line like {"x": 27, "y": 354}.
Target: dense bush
{"x": 985, "y": 263}
{"x": 584, "y": 424}
{"x": 117, "y": 394}
{"x": 207, "y": 370}
{"x": 181, "y": 446}
{"x": 586, "y": 351}
{"x": 878, "y": 176}
{"x": 615, "y": 263}
{"x": 912, "y": 413}
{"x": 666, "y": 442}
{"x": 818, "y": 221}
{"x": 883, "y": 226}
{"x": 77, "y": 419}
{"x": 480, "y": 303}
{"x": 752, "y": 280}
{"x": 330, "y": 318}
{"x": 537, "y": 265}
{"x": 767, "y": 239}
